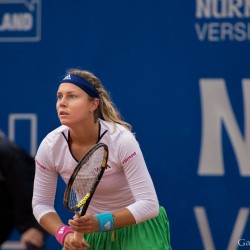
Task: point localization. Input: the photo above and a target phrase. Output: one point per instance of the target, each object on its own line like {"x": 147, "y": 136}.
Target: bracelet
{"x": 106, "y": 221}
{"x": 62, "y": 232}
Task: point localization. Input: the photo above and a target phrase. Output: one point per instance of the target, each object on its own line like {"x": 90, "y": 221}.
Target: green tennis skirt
{"x": 152, "y": 234}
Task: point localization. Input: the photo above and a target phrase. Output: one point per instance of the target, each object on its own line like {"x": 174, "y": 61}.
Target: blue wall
{"x": 179, "y": 72}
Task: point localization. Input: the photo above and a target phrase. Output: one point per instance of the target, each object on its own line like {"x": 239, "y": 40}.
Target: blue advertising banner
{"x": 179, "y": 72}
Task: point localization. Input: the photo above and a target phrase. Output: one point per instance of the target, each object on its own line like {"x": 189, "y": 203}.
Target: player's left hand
{"x": 86, "y": 224}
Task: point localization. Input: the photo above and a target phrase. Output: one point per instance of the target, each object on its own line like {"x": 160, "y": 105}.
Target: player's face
{"x": 73, "y": 104}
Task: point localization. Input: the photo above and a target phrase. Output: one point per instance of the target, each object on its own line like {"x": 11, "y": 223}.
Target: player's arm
{"x": 146, "y": 205}
{"x": 90, "y": 223}
{"x": 123, "y": 217}
{"x": 51, "y": 222}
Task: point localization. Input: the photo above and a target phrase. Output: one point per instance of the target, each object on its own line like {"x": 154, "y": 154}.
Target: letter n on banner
{"x": 217, "y": 110}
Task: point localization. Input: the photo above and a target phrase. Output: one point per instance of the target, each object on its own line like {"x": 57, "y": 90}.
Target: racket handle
{"x": 78, "y": 236}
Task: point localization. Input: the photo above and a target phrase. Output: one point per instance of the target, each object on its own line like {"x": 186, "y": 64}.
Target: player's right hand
{"x": 70, "y": 243}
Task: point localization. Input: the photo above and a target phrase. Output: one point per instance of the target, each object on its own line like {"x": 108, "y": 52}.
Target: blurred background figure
{"x": 17, "y": 171}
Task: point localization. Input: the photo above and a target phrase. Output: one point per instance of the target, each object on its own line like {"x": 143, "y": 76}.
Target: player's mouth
{"x": 62, "y": 113}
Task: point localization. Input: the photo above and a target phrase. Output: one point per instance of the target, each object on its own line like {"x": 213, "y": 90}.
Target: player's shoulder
{"x": 56, "y": 134}
{"x": 116, "y": 132}
{"x": 114, "y": 129}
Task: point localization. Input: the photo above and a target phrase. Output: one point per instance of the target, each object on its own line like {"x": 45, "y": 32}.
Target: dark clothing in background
{"x": 17, "y": 170}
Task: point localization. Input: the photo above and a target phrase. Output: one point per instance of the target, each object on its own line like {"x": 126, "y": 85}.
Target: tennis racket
{"x": 84, "y": 181}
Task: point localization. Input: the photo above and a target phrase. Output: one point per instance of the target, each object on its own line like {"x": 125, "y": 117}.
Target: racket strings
{"x": 85, "y": 178}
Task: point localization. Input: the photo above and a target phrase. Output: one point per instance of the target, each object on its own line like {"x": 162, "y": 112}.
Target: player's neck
{"x": 85, "y": 135}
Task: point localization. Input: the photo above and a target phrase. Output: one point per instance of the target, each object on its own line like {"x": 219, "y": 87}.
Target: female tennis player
{"x": 124, "y": 213}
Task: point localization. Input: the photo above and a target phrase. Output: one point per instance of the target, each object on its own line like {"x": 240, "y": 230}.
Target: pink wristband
{"x": 62, "y": 232}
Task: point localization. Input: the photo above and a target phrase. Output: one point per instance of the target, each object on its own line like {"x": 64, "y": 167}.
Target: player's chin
{"x": 64, "y": 121}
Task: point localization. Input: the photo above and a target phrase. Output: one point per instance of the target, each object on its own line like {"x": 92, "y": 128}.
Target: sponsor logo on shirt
{"x": 98, "y": 169}
{"x": 129, "y": 158}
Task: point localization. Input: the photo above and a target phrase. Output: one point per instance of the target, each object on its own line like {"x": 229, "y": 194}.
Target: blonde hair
{"x": 106, "y": 109}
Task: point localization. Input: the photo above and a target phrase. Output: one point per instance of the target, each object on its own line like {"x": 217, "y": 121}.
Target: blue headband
{"x": 83, "y": 84}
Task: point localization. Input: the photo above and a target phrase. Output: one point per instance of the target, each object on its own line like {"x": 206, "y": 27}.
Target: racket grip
{"x": 78, "y": 236}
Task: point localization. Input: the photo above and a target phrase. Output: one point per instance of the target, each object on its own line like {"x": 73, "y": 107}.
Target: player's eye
{"x": 59, "y": 97}
{"x": 71, "y": 97}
